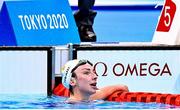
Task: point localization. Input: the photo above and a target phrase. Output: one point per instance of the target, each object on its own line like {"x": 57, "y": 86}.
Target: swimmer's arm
{"x": 106, "y": 91}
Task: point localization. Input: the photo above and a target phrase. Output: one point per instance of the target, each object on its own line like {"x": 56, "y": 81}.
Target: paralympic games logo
{"x": 137, "y": 69}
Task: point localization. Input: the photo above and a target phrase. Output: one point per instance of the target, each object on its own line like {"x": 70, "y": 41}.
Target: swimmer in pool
{"x": 80, "y": 78}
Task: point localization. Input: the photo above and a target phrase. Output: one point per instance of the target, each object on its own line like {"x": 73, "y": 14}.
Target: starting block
{"x": 37, "y": 23}
{"x": 168, "y": 28}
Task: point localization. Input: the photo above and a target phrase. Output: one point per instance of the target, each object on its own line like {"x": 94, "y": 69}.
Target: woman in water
{"x": 80, "y": 78}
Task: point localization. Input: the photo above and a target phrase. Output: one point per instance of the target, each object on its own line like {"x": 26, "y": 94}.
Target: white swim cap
{"x": 67, "y": 70}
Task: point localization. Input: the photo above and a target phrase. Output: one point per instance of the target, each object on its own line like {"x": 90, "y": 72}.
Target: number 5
{"x": 167, "y": 22}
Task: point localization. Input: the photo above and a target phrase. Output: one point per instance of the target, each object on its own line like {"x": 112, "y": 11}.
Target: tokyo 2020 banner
{"x": 37, "y": 23}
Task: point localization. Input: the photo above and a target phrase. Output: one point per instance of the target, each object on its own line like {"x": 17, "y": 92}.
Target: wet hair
{"x": 81, "y": 62}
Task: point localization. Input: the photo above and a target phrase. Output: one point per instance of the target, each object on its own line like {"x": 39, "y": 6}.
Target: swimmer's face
{"x": 86, "y": 79}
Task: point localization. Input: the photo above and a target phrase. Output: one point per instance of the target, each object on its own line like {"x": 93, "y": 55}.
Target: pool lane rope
{"x": 119, "y": 96}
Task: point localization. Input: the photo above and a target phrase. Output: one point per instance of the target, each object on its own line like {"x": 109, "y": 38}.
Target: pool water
{"x": 57, "y": 102}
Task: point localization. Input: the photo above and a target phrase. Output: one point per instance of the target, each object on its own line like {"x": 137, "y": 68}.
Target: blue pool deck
{"x": 126, "y": 23}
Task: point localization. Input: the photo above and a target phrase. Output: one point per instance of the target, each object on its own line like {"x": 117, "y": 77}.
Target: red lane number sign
{"x": 167, "y": 16}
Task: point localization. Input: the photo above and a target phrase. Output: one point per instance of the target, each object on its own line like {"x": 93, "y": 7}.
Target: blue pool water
{"x": 56, "y": 102}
